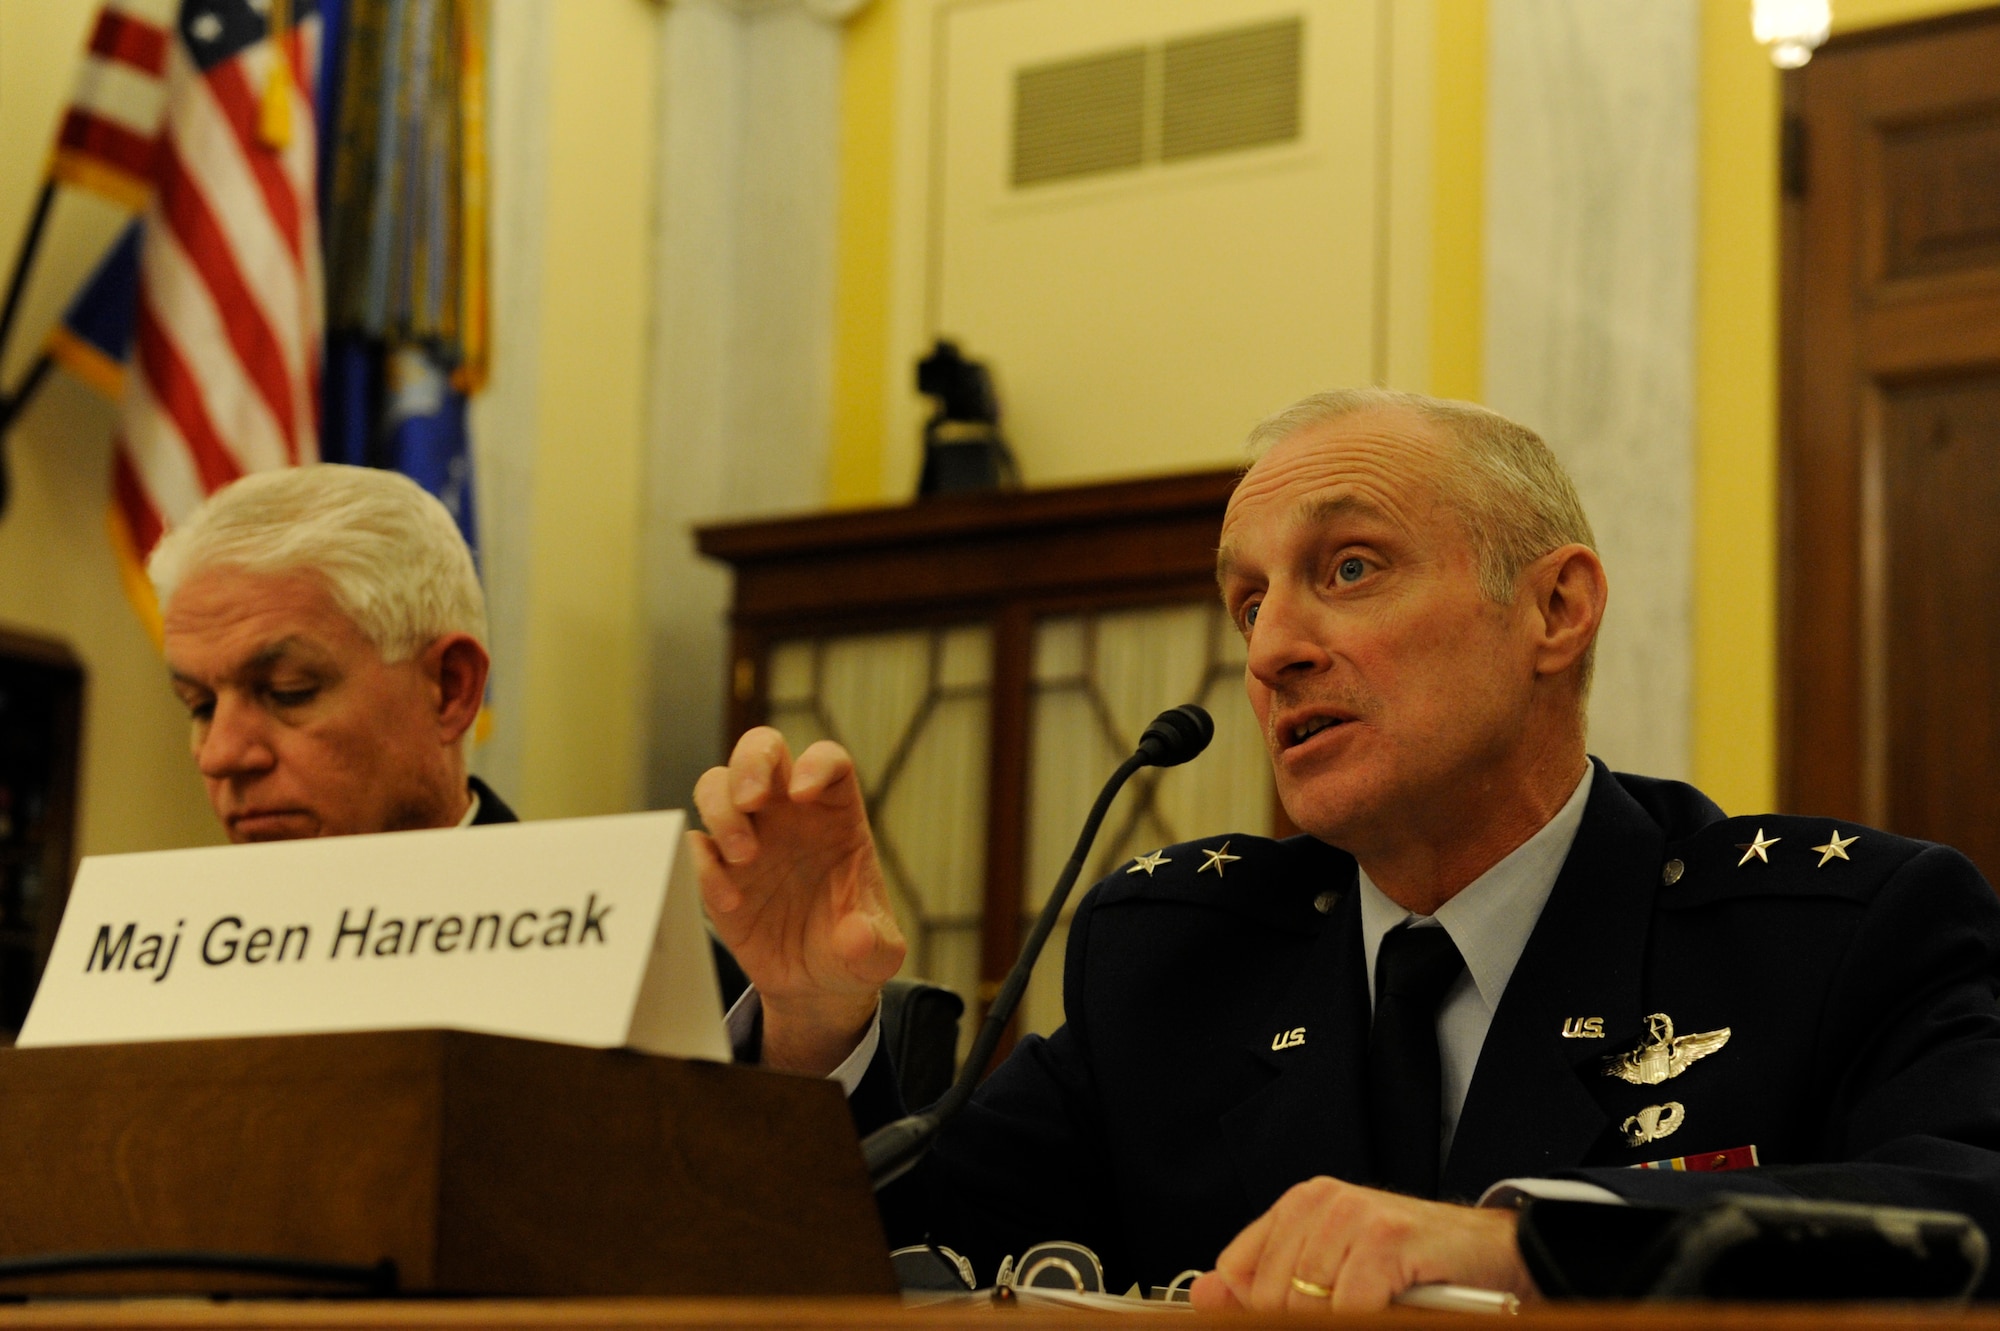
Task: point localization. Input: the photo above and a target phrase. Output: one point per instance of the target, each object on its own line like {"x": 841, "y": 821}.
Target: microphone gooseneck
{"x": 1175, "y": 736}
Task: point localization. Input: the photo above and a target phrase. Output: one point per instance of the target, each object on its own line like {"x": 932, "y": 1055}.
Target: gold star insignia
{"x": 1216, "y": 859}
{"x": 1148, "y": 863}
{"x": 1756, "y": 846}
{"x": 1835, "y": 848}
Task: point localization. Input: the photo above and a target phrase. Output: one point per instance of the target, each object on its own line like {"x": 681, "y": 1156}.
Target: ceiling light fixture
{"x": 1790, "y": 29}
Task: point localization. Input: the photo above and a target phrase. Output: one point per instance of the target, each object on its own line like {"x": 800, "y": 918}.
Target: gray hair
{"x": 1504, "y": 482}
{"x": 389, "y": 552}
{"x": 1506, "y": 485}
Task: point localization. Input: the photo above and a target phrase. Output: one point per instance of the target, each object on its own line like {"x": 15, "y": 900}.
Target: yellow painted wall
{"x": 1855, "y": 15}
{"x": 1736, "y": 418}
{"x": 57, "y": 576}
{"x": 868, "y": 125}
{"x": 861, "y": 291}
{"x": 582, "y": 744}
{"x": 1459, "y": 191}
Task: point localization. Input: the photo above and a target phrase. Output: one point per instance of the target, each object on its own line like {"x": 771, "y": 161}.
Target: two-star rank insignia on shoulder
{"x": 1776, "y": 855}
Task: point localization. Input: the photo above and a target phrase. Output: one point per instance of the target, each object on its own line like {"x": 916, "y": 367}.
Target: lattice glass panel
{"x": 1098, "y": 679}
{"x": 914, "y": 709}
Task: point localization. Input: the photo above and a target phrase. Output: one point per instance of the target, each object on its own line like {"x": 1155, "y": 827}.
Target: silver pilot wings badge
{"x": 1662, "y": 1054}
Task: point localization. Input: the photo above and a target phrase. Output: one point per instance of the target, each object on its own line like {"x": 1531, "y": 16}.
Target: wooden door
{"x": 1890, "y": 666}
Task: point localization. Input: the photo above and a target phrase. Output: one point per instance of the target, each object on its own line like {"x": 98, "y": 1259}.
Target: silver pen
{"x": 1459, "y": 1299}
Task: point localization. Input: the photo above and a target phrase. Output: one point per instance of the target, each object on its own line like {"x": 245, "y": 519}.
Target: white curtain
{"x": 915, "y": 710}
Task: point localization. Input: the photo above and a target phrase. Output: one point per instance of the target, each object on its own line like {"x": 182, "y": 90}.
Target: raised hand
{"x": 1355, "y": 1248}
{"x": 789, "y": 874}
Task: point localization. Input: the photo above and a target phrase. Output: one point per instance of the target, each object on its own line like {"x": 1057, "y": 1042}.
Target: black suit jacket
{"x": 493, "y": 809}
{"x": 1863, "y": 1060}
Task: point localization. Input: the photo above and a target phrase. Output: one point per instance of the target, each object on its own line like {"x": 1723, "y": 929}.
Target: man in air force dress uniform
{"x": 1493, "y": 966}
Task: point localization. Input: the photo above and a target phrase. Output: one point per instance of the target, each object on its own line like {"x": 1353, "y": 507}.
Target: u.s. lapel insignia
{"x": 1835, "y": 848}
{"x": 1148, "y": 863}
{"x": 1291, "y": 1039}
{"x": 1652, "y": 1123}
{"x": 1583, "y": 1028}
{"x": 1756, "y": 846}
{"x": 1662, "y": 1054}
{"x": 1216, "y": 859}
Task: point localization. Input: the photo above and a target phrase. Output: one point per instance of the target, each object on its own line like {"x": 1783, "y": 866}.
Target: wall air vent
{"x": 1228, "y": 90}
{"x": 1121, "y": 110}
{"x": 1079, "y": 117}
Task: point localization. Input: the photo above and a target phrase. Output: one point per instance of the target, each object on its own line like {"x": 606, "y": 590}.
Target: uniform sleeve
{"x": 1911, "y": 1041}
{"x": 1024, "y": 1163}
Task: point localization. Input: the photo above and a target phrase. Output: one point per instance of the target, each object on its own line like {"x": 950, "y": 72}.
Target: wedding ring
{"x": 1310, "y": 1290}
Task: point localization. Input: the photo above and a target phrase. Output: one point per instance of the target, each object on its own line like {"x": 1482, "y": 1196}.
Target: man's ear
{"x": 456, "y": 667}
{"x": 1569, "y": 591}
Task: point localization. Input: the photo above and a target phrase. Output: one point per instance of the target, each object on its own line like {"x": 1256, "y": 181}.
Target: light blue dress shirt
{"x": 1490, "y": 920}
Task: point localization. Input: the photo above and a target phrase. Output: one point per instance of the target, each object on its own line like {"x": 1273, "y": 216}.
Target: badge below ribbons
{"x": 1708, "y": 1162}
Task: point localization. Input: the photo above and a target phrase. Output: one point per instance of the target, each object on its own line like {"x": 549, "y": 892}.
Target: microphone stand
{"x": 890, "y": 1152}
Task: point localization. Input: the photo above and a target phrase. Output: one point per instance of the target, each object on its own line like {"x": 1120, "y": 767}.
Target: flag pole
{"x": 12, "y": 405}
{"x": 17, "y": 281}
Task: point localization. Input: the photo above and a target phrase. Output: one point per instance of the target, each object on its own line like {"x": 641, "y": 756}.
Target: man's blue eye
{"x": 1250, "y": 618}
{"x": 1351, "y": 569}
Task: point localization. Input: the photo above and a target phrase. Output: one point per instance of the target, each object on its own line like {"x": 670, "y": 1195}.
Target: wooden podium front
{"x": 477, "y": 1164}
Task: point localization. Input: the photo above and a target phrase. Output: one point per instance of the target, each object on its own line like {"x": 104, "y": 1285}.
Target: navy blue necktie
{"x": 1412, "y": 972}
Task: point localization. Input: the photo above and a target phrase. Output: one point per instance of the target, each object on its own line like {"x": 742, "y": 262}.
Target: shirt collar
{"x": 1491, "y": 917}
{"x": 471, "y": 810}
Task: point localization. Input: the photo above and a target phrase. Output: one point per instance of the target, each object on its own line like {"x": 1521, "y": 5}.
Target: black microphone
{"x": 1175, "y": 736}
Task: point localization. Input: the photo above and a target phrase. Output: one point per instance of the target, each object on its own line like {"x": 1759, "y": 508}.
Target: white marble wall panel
{"x": 1590, "y": 253}
{"x": 743, "y": 334}
{"x": 503, "y": 417}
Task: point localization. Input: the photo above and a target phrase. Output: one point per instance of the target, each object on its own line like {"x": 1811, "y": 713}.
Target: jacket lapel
{"x": 1530, "y": 1108}
{"x": 1311, "y": 1117}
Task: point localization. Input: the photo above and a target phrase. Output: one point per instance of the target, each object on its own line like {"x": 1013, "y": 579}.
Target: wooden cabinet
{"x": 988, "y": 659}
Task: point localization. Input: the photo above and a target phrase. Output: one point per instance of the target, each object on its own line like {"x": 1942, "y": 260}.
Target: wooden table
{"x": 856, "y": 1314}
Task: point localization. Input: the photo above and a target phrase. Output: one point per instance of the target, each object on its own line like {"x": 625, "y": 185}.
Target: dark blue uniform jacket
{"x": 1863, "y": 1061}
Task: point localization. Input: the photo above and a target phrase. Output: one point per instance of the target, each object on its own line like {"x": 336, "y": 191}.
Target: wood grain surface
{"x": 479, "y": 1165}
{"x": 856, "y": 1314}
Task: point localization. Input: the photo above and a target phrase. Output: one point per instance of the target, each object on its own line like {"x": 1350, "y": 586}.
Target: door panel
{"x": 1942, "y": 458}
{"x": 1890, "y": 637}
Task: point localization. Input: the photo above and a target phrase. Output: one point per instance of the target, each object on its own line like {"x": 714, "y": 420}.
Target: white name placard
{"x": 585, "y": 931}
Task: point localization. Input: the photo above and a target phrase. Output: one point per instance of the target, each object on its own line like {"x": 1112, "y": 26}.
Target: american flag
{"x": 107, "y": 136}
{"x": 224, "y": 378}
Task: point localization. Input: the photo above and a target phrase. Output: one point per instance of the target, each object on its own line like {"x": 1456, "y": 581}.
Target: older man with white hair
{"x": 326, "y": 629}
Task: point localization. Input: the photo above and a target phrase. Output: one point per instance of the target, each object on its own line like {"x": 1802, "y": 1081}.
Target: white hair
{"x": 389, "y": 552}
